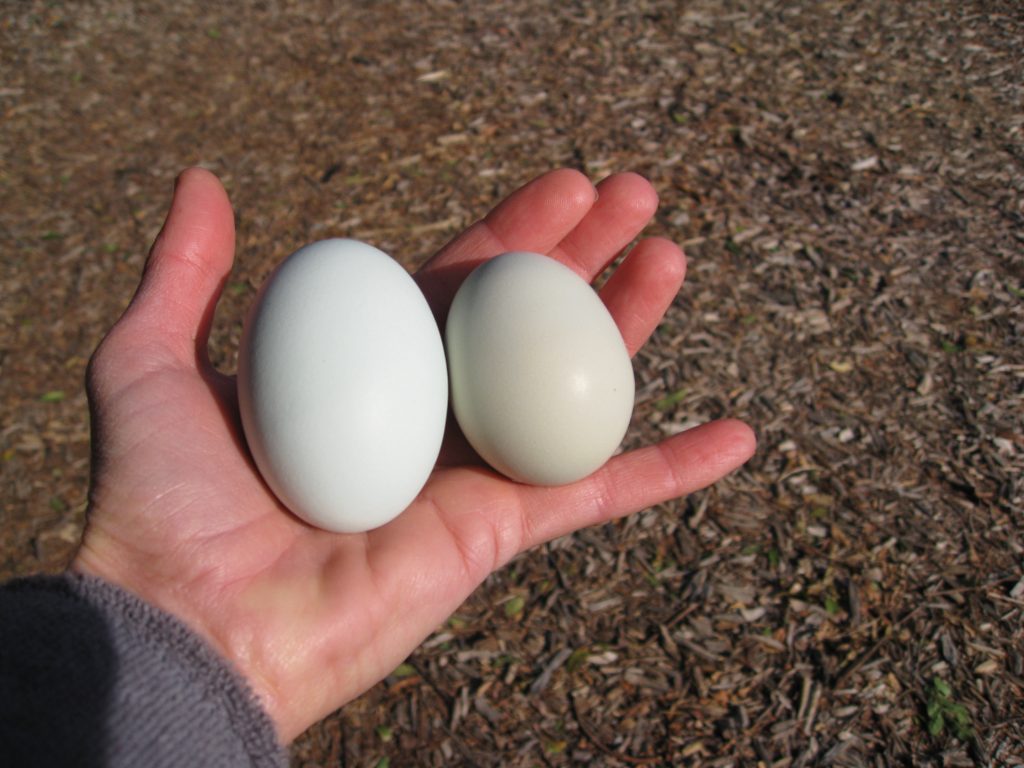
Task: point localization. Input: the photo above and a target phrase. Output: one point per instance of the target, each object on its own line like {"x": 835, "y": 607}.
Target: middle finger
{"x": 625, "y": 204}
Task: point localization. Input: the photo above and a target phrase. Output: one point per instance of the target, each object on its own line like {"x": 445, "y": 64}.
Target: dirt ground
{"x": 848, "y": 181}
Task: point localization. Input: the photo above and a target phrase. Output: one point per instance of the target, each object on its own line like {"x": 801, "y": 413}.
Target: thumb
{"x": 186, "y": 270}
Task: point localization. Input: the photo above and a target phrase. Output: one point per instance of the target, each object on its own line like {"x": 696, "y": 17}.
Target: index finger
{"x": 536, "y": 217}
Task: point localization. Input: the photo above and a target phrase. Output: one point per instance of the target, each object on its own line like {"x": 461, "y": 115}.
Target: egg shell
{"x": 342, "y": 385}
{"x": 541, "y": 380}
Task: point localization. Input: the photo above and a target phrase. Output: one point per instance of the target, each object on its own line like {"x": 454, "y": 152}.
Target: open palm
{"x": 179, "y": 515}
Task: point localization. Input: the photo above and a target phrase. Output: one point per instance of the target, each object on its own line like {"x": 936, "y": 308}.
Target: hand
{"x": 179, "y": 516}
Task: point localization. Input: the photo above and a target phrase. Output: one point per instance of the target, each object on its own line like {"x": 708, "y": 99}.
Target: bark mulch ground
{"x": 847, "y": 179}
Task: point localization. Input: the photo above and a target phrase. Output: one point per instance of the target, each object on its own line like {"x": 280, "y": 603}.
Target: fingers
{"x": 535, "y": 217}
{"x": 636, "y": 480}
{"x": 560, "y": 214}
{"x": 186, "y": 268}
{"x": 625, "y": 205}
{"x": 640, "y": 291}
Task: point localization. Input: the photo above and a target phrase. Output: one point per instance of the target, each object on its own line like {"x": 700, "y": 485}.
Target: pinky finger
{"x": 637, "y": 480}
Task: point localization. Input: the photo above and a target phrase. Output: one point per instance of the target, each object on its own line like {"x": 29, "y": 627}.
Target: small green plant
{"x": 578, "y": 659}
{"x": 514, "y": 606}
{"x": 672, "y": 399}
{"x": 556, "y": 747}
{"x": 945, "y": 713}
{"x": 831, "y": 605}
{"x": 404, "y": 670}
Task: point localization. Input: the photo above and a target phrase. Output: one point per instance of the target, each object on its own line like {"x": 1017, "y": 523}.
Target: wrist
{"x": 236, "y": 649}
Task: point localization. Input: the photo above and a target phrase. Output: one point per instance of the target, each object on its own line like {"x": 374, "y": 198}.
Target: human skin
{"x": 179, "y": 515}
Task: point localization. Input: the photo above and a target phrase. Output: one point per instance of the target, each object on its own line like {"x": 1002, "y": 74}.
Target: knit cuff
{"x": 125, "y": 681}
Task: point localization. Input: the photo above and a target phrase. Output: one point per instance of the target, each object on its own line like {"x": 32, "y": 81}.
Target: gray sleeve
{"x": 92, "y": 676}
